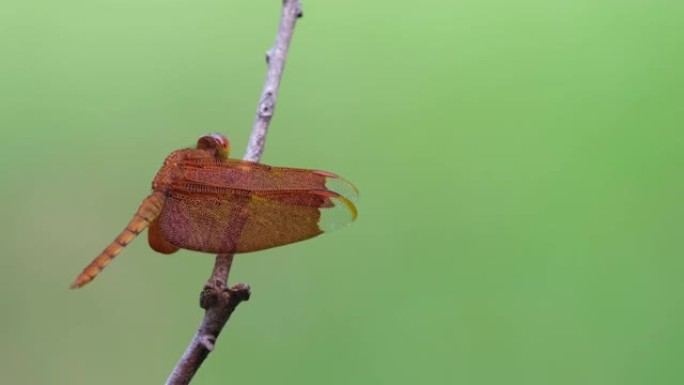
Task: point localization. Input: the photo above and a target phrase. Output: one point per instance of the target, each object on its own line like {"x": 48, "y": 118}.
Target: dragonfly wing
{"x": 157, "y": 241}
{"x": 241, "y": 174}
{"x": 227, "y": 220}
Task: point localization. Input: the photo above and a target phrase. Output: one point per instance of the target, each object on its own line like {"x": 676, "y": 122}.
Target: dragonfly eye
{"x": 216, "y": 142}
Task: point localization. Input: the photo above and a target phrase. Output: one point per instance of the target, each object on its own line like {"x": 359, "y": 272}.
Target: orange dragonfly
{"x": 204, "y": 201}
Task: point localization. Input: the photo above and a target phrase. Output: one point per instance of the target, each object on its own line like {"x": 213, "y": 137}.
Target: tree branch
{"x": 275, "y": 59}
{"x": 216, "y": 298}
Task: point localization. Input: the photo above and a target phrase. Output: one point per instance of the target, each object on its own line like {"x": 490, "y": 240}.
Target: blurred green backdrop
{"x": 519, "y": 166}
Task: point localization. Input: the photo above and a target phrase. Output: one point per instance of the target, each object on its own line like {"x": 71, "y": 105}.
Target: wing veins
{"x": 214, "y": 189}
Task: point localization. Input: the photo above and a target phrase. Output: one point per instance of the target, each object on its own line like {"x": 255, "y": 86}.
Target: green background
{"x": 520, "y": 168}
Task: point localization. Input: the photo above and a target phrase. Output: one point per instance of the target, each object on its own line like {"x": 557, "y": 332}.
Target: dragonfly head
{"x": 215, "y": 142}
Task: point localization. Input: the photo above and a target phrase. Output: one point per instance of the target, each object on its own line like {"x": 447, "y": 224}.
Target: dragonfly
{"x": 202, "y": 200}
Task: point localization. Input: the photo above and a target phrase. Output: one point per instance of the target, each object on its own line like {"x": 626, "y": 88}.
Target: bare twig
{"x": 275, "y": 58}
{"x": 218, "y": 300}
